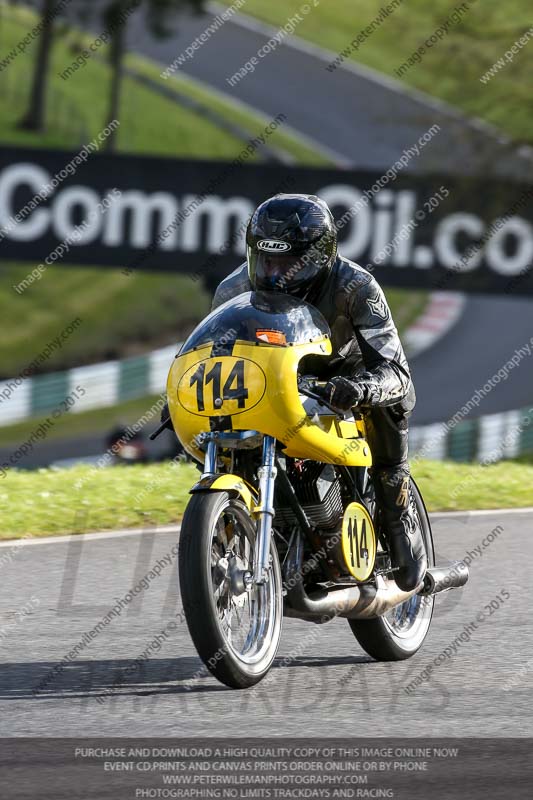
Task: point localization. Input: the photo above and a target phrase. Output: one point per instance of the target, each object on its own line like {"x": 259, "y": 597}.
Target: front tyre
{"x": 235, "y": 625}
{"x": 399, "y": 633}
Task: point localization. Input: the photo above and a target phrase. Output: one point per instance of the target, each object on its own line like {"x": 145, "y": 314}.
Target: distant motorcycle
{"x": 283, "y": 520}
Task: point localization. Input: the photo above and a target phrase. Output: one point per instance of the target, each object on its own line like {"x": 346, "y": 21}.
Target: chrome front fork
{"x": 210, "y": 462}
{"x": 267, "y": 477}
{"x": 265, "y": 511}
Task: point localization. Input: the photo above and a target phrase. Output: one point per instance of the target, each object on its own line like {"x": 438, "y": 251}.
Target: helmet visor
{"x": 280, "y": 272}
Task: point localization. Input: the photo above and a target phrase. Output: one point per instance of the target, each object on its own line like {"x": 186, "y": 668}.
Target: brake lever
{"x": 167, "y": 424}
{"x": 315, "y": 396}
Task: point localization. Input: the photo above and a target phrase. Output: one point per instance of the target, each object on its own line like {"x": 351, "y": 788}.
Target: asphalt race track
{"x": 484, "y": 339}
{"x": 326, "y": 685}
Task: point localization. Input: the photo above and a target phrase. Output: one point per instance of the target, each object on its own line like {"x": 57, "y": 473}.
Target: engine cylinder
{"x": 318, "y": 490}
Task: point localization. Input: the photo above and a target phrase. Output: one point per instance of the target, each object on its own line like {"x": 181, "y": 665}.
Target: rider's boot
{"x": 407, "y": 550}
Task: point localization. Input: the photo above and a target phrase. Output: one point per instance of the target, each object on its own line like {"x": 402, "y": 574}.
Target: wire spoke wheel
{"x": 234, "y": 623}
{"x": 400, "y": 632}
{"x": 245, "y": 611}
{"x": 410, "y": 620}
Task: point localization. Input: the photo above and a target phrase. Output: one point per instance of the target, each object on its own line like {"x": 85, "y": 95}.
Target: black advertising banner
{"x": 152, "y": 768}
{"x": 133, "y": 212}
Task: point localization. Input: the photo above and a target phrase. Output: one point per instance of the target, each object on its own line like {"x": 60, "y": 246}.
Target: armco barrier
{"x": 105, "y": 384}
{"x": 492, "y": 437}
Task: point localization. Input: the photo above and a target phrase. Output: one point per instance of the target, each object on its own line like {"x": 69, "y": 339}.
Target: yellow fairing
{"x": 257, "y": 387}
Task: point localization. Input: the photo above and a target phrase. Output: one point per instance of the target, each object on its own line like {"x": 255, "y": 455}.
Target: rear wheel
{"x": 399, "y": 633}
{"x": 234, "y": 624}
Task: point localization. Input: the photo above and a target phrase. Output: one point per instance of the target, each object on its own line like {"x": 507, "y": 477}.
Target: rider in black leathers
{"x": 292, "y": 247}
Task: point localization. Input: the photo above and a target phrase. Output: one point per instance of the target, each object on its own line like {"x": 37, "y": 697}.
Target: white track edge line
{"x": 100, "y": 535}
{"x": 482, "y": 512}
{"x": 92, "y": 536}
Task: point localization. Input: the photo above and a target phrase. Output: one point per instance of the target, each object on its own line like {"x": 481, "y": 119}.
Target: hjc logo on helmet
{"x": 273, "y": 246}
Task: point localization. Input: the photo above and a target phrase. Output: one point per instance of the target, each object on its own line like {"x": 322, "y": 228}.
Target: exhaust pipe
{"x": 440, "y": 579}
{"x": 352, "y": 602}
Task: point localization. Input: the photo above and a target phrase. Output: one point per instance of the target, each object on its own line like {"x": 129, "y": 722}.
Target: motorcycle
{"x": 283, "y": 521}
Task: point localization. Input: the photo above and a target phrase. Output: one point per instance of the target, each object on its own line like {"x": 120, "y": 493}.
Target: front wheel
{"x": 235, "y": 625}
{"x": 399, "y": 633}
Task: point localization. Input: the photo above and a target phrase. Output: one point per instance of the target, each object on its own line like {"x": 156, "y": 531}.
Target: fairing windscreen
{"x": 259, "y": 317}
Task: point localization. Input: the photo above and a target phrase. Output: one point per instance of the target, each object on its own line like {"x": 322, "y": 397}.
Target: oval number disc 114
{"x": 358, "y": 541}
{"x": 221, "y": 386}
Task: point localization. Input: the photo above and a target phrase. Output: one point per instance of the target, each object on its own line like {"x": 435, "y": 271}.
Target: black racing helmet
{"x": 291, "y": 244}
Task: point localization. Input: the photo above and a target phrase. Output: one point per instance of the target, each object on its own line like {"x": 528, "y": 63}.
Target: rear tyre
{"x": 236, "y": 629}
{"x": 401, "y": 632}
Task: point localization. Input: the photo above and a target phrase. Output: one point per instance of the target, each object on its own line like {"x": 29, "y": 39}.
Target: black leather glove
{"x": 342, "y": 393}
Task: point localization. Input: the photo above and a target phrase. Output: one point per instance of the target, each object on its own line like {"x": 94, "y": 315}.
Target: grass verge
{"x": 163, "y": 127}
{"x": 83, "y": 498}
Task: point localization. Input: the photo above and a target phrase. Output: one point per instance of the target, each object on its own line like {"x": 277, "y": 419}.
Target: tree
{"x": 116, "y": 22}
{"x": 114, "y": 16}
{"x": 159, "y": 14}
{"x": 34, "y": 119}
